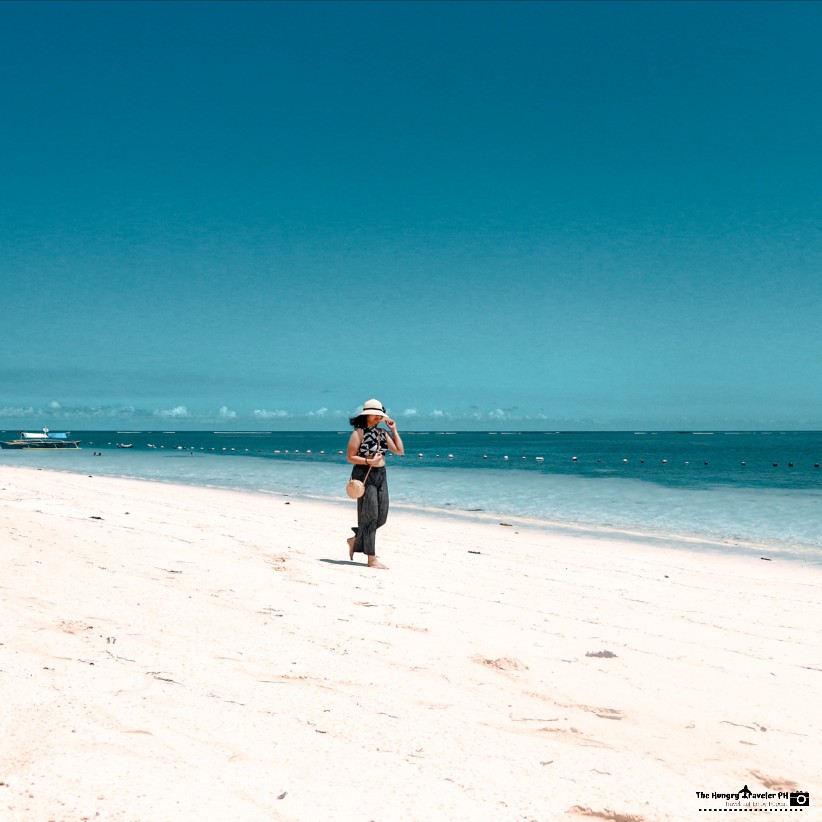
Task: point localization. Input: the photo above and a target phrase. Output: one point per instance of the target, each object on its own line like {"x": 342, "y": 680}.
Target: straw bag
{"x": 356, "y": 488}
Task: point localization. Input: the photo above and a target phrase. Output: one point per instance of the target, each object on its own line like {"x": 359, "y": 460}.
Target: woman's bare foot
{"x": 351, "y": 541}
{"x": 373, "y": 562}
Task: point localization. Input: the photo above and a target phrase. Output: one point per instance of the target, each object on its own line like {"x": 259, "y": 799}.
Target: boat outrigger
{"x": 42, "y": 439}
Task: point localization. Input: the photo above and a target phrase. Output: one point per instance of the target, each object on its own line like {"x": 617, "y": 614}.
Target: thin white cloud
{"x": 178, "y": 413}
{"x": 263, "y": 414}
{"x": 320, "y": 412}
{"x": 57, "y": 411}
{"x": 227, "y": 414}
{"x": 10, "y": 411}
{"x": 410, "y": 412}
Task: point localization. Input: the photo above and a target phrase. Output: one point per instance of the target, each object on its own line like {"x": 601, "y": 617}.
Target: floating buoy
{"x": 790, "y": 465}
{"x": 743, "y": 463}
{"x": 540, "y": 459}
{"x": 450, "y": 456}
{"x": 664, "y": 462}
{"x": 574, "y": 459}
{"x": 505, "y": 457}
{"x": 775, "y": 464}
{"x": 485, "y": 456}
{"x": 625, "y": 460}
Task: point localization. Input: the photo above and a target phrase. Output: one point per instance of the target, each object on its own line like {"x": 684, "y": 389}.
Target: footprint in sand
{"x": 602, "y": 713}
{"x": 72, "y": 626}
{"x": 775, "y": 783}
{"x": 504, "y": 663}
{"x": 275, "y": 561}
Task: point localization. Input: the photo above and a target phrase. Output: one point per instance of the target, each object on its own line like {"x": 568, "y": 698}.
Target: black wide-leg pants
{"x": 372, "y": 508}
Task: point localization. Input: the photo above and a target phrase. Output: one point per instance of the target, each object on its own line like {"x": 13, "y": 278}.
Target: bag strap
{"x": 365, "y": 478}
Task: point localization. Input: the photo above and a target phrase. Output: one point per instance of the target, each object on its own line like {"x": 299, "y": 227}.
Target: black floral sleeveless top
{"x": 374, "y": 441}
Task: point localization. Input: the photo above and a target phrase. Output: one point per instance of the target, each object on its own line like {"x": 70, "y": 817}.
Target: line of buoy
{"x": 421, "y": 455}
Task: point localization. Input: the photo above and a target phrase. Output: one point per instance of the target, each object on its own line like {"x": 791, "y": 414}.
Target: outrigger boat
{"x": 42, "y": 439}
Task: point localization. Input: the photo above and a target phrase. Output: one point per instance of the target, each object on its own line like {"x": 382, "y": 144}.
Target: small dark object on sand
{"x": 507, "y": 524}
{"x": 767, "y": 559}
{"x": 475, "y": 552}
{"x": 602, "y": 654}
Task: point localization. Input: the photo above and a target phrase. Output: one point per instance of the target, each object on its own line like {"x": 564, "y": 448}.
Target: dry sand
{"x": 178, "y": 653}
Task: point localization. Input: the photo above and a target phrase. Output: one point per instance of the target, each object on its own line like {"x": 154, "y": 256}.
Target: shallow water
{"x": 662, "y": 486}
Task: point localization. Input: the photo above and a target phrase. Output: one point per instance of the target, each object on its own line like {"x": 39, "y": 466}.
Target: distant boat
{"x": 125, "y": 445}
{"x": 41, "y": 439}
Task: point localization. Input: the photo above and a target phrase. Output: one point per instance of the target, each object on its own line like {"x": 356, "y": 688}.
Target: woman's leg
{"x": 382, "y": 502}
{"x": 359, "y": 473}
{"x": 367, "y": 514}
{"x": 382, "y": 516}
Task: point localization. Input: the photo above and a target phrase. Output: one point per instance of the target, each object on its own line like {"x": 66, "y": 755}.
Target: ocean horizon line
{"x": 430, "y": 430}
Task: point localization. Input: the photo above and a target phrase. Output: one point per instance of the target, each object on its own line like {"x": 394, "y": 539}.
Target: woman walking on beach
{"x": 366, "y": 450}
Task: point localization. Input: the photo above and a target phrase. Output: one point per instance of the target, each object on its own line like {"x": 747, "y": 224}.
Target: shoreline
{"x": 709, "y": 544}
{"x": 185, "y": 652}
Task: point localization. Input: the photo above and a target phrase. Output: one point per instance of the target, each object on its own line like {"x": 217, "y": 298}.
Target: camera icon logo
{"x": 799, "y": 799}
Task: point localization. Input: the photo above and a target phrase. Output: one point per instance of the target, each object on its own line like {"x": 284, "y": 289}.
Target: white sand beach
{"x": 181, "y": 653}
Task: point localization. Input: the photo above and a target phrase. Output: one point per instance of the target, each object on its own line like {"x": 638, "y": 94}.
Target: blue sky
{"x": 488, "y": 215}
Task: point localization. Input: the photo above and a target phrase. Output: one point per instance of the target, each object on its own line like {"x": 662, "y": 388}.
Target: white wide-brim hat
{"x": 373, "y": 407}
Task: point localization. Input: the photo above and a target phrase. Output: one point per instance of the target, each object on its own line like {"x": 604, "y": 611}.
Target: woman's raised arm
{"x": 393, "y": 439}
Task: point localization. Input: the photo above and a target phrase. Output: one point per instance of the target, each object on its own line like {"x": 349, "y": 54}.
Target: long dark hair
{"x": 360, "y": 421}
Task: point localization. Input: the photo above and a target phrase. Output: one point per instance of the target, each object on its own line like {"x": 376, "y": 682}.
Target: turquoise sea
{"x": 750, "y": 492}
